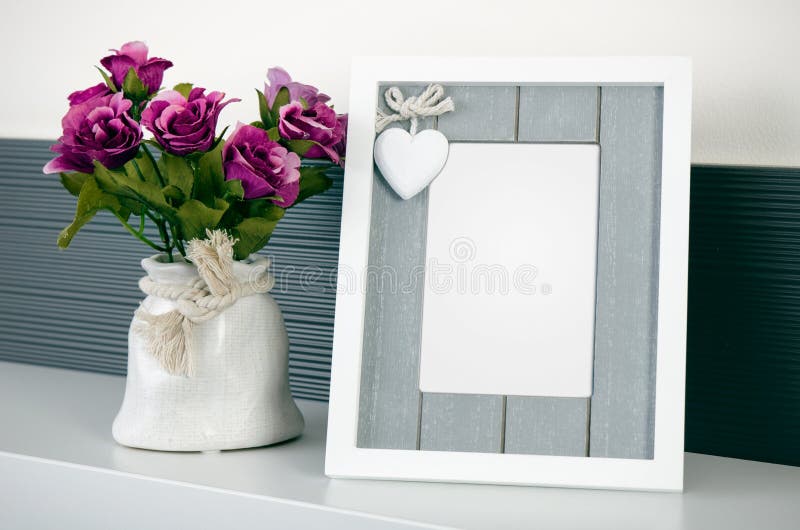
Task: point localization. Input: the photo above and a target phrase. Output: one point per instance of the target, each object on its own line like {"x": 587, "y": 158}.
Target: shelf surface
{"x": 59, "y": 467}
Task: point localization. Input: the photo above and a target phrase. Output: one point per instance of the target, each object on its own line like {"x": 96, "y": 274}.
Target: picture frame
{"x": 628, "y": 434}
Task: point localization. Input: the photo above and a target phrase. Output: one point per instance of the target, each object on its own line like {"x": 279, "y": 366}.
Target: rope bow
{"x": 429, "y": 103}
{"x": 168, "y": 336}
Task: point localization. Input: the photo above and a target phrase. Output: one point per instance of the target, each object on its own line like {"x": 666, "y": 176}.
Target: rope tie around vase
{"x": 168, "y": 336}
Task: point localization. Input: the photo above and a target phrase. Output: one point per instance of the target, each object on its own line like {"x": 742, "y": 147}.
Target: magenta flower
{"x": 317, "y": 123}
{"x": 341, "y": 146}
{"x": 134, "y": 55}
{"x": 184, "y": 125}
{"x": 98, "y": 129}
{"x": 265, "y": 168}
{"x": 279, "y": 78}
{"x": 82, "y": 96}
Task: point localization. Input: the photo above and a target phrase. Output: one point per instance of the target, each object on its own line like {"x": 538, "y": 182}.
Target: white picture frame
{"x": 662, "y": 472}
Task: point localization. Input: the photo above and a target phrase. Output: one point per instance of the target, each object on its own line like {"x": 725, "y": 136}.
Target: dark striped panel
{"x": 72, "y": 308}
{"x": 743, "y": 351}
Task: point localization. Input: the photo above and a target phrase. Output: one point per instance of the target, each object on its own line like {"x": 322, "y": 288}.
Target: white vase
{"x": 238, "y": 395}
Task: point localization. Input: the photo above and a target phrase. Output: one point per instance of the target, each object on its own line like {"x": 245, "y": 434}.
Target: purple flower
{"x": 184, "y": 125}
{"x": 98, "y": 129}
{"x": 134, "y": 55}
{"x": 341, "y": 146}
{"x": 82, "y": 96}
{"x": 279, "y": 78}
{"x": 317, "y": 123}
{"x": 265, "y": 168}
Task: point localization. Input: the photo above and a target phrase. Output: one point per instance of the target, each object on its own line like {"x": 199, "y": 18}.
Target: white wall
{"x": 746, "y": 67}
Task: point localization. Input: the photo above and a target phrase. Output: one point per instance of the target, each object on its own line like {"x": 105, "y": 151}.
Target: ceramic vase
{"x": 238, "y": 394}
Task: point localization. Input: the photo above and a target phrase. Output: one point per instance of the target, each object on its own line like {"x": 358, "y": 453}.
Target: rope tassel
{"x": 168, "y": 336}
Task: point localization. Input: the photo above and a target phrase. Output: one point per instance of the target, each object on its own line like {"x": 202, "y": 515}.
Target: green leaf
{"x": 232, "y": 217}
{"x": 183, "y": 89}
{"x": 194, "y": 156}
{"x": 258, "y": 124}
{"x": 173, "y": 193}
{"x": 300, "y": 147}
{"x": 273, "y": 134}
{"x": 209, "y": 177}
{"x": 142, "y": 167}
{"x": 177, "y": 172}
{"x": 263, "y": 207}
{"x": 234, "y": 189}
{"x": 253, "y": 234}
{"x": 108, "y": 182}
{"x": 133, "y": 86}
{"x": 313, "y": 181}
{"x": 219, "y": 139}
{"x": 109, "y": 83}
{"x": 134, "y": 189}
{"x": 91, "y": 200}
{"x": 264, "y": 111}
{"x": 281, "y": 99}
{"x": 154, "y": 143}
{"x": 74, "y": 181}
{"x": 195, "y": 217}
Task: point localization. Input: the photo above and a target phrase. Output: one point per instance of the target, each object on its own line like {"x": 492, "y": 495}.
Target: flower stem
{"x": 161, "y": 224}
{"x": 138, "y": 234}
{"x": 149, "y": 155}
{"x": 162, "y": 230}
{"x": 138, "y": 170}
{"x": 177, "y": 240}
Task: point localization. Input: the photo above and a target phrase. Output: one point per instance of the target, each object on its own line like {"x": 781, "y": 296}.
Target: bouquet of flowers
{"x": 187, "y": 179}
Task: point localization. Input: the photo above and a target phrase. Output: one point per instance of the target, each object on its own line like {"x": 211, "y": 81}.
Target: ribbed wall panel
{"x": 743, "y": 347}
{"x": 72, "y": 308}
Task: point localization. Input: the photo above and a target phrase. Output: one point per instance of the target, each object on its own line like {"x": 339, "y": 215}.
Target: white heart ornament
{"x": 410, "y": 163}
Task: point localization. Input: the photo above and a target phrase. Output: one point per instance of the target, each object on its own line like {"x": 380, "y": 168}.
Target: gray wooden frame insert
{"x": 618, "y": 420}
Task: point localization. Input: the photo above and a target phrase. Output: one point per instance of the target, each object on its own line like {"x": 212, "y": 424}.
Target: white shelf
{"x": 60, "y": 468}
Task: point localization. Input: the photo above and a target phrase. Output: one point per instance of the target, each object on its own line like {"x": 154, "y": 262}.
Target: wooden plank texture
{"x": 391, "y": 413}
{"x": 547, "y": 425}
{"x": 390, "y": 397}
{"x": 558, "y": 114}
{"x": 465, "y": 422}
{"x": 482, "y": 113}
{"x": 622, "y": 408}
